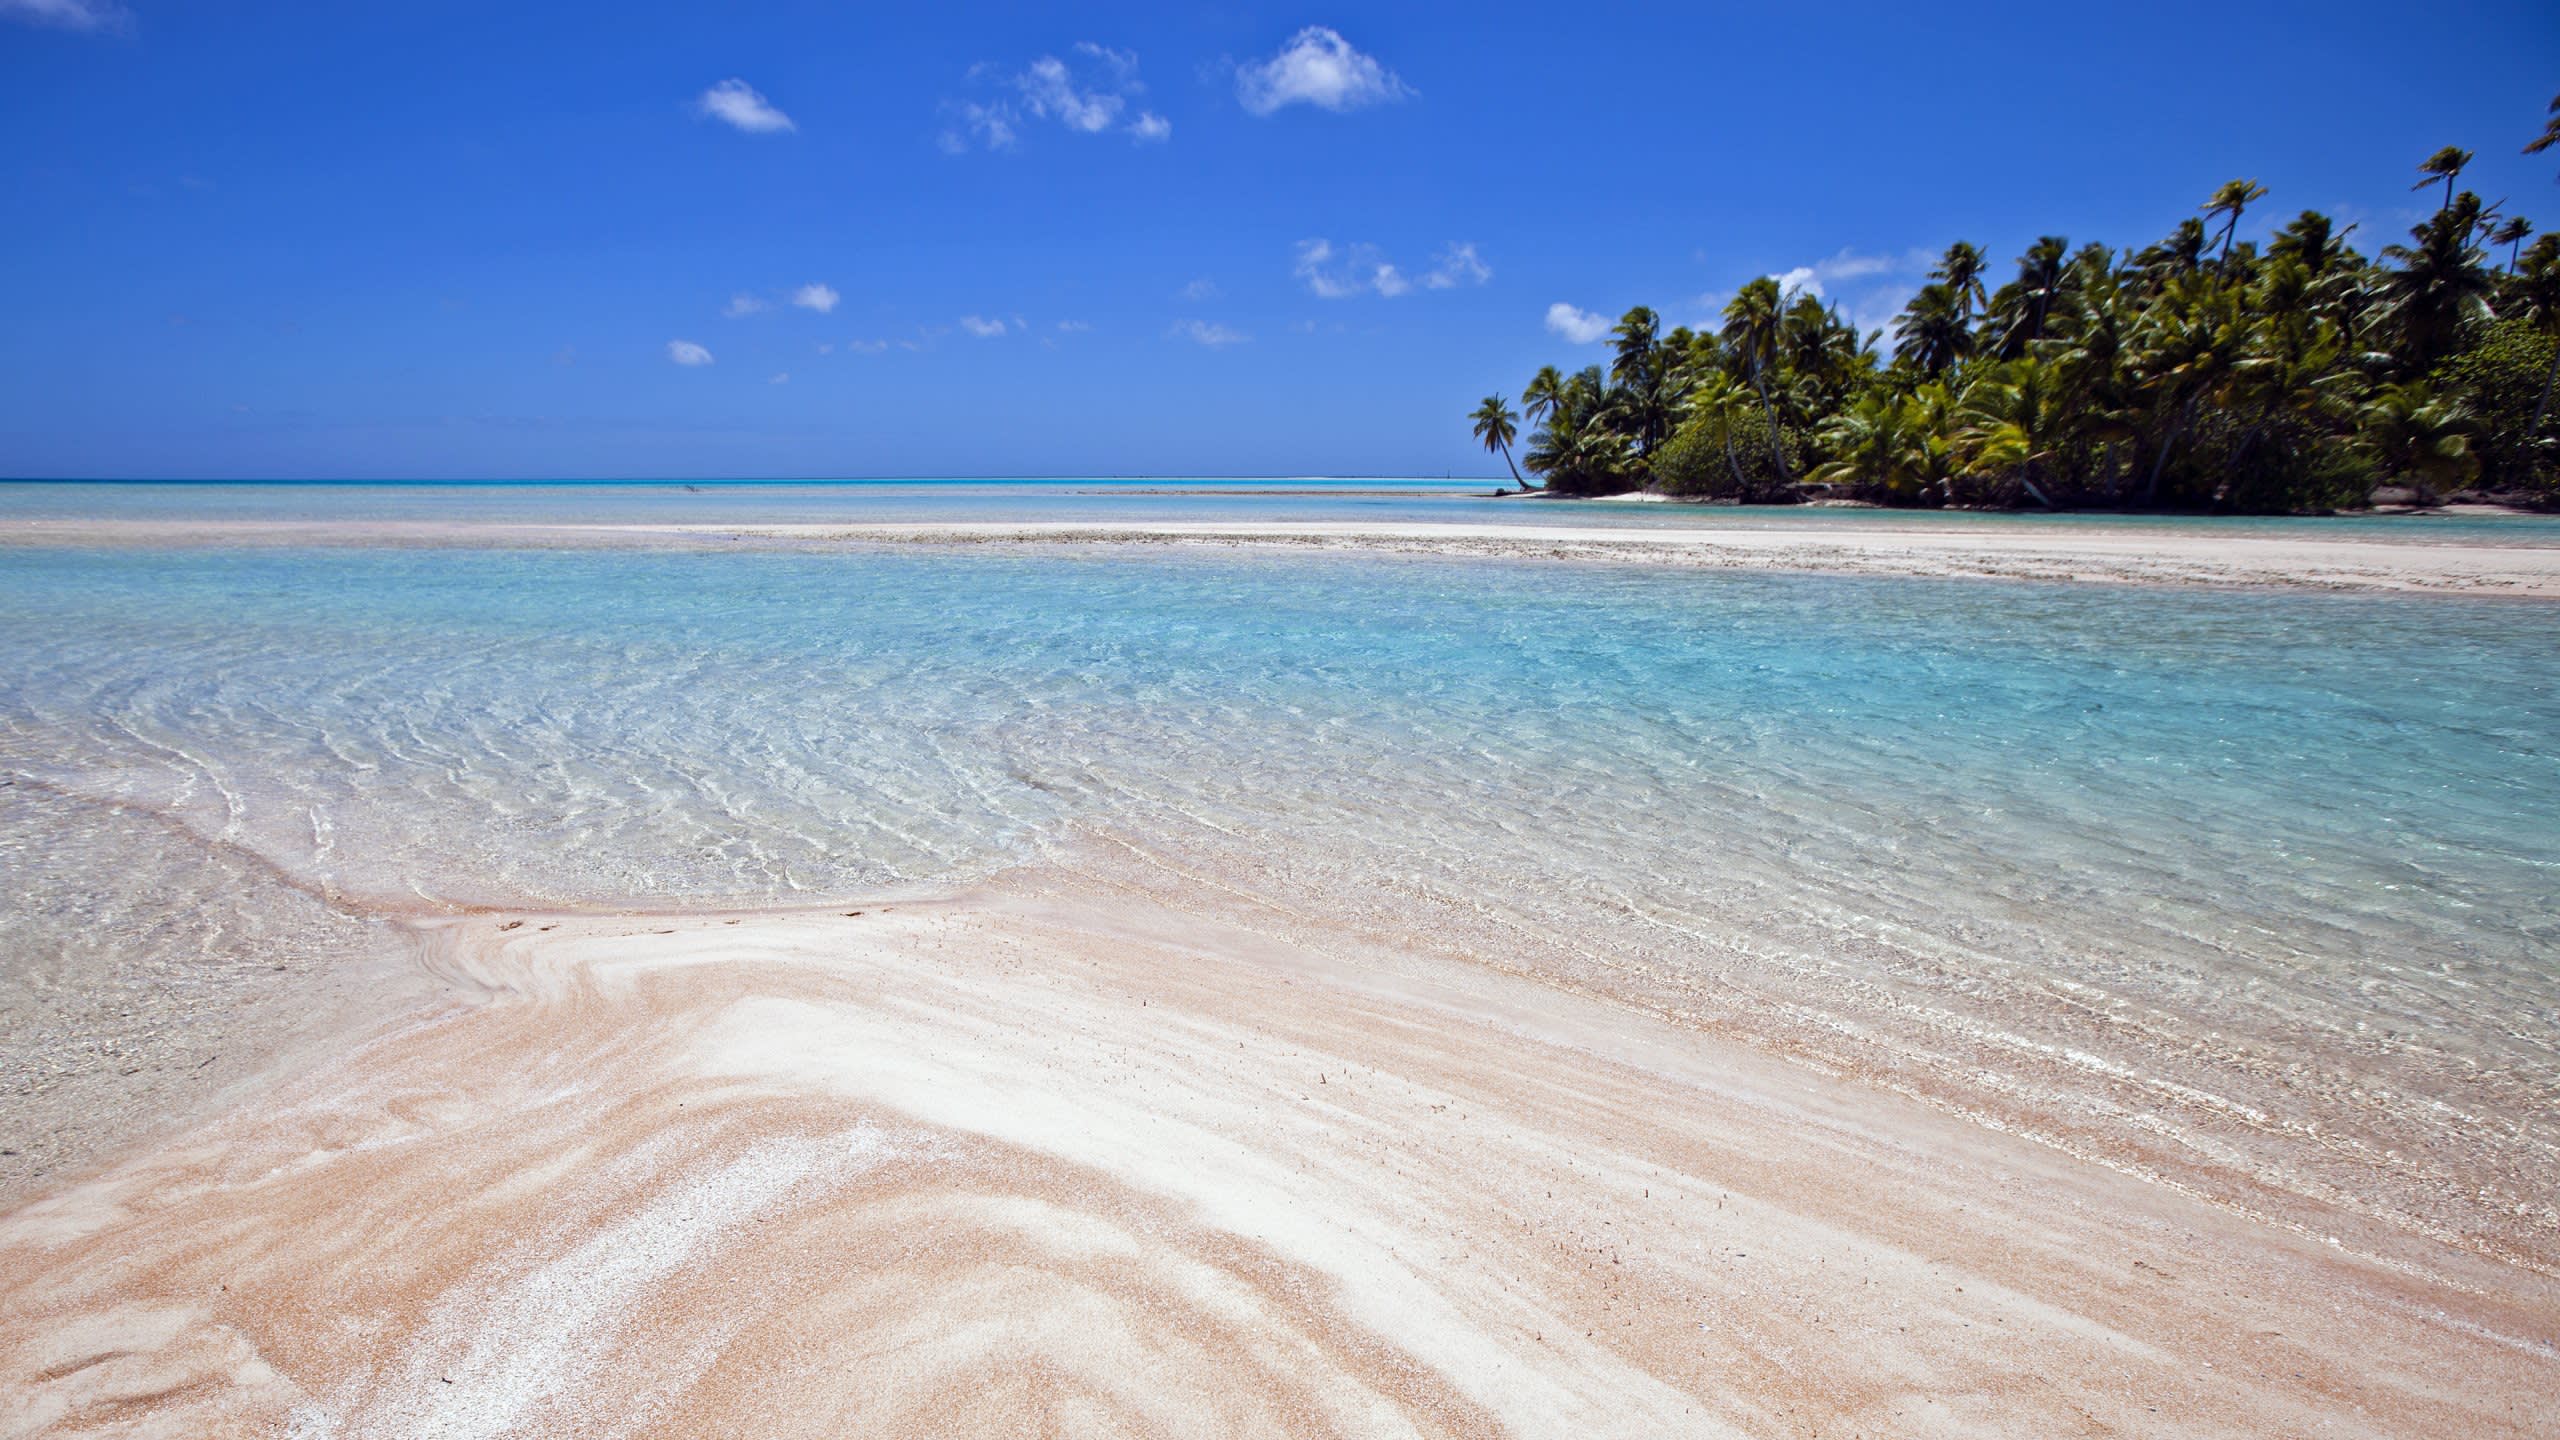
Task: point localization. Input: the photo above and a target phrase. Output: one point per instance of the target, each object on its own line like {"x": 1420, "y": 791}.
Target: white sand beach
{"x": 1052, "y": 1159}
{"x": 2374, "y": 559}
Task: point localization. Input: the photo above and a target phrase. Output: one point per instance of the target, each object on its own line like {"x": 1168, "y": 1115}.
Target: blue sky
{"x": 334, "y": 240}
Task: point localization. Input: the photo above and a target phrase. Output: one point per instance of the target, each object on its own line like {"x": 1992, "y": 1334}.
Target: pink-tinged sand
{"x": 1051, "y": 1158}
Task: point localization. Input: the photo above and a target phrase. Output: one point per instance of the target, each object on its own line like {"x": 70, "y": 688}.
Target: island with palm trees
{"x": 2203, "y": 372}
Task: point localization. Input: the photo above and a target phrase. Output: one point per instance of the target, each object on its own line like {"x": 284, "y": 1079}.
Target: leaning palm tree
{"x": 2443, "y": 165}
{"x": 2550, "y": 135}
{"x": 2512, "y": 235}
{"x": 1496, "y": 428}
{"x": 2233, "y": 197}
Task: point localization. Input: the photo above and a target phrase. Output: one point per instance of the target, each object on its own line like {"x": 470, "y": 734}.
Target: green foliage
{"x": 2201, "y": 372}
{"x": 2499, "y": 379}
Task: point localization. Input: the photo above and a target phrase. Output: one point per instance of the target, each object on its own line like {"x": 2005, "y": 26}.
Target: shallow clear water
{"x": 2249, "y": 883}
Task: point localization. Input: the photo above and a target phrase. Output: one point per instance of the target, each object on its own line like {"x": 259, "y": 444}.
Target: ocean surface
{"x": 2251, "y": 892}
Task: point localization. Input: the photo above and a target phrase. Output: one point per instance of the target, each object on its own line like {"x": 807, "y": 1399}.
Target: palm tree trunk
{"x": 2160, "y": 461}
{"x": 2543, "y": 406}
{"x": 1733, "y": 462}
{"x": 1515, "y": 468}
{"x": 1776, "y": 457}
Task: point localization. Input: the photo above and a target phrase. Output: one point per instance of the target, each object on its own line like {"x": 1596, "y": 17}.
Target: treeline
{"x": 2199, "y": 373}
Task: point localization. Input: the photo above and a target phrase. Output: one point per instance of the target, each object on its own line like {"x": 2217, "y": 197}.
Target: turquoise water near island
{"x": 1374, "y": 500}
{"x": 2221, "y": 873}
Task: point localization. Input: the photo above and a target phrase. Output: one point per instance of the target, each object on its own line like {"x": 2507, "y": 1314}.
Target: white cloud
{"x": 865, "y": 347}
{"x": 737, "y": 102}
{"x": 1317, "y": 67}
{"x": 743, "y": 304}
{"x": 991, "y": 124}
{"x": 68, "y": 14}
{"x": 1209, "y": 333}
{"x": 1073, "y": 327}
{"x": 1089, "y": 95}
{"x": 1800, "y": 281}
{"x": 826, "y": 347}
{"x": 782, "y": 377}
{"x": 1049, "y": 89}
{"x": 685, "y": 352}
{"x": 1458, "y": 265}
{"x": 982, "y": 327}
{"x": 1123, "y": 63}
{"x": 1332, "y": 273}
{"x": 1577, "y": 326}
{"x": 819, "y": 297}
{"x": 1200, "y": 289}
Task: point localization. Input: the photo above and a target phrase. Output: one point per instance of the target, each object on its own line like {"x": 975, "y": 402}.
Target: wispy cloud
{"x": 1200, "y": 289}
{"x": 780, "y": 377}
{"x": 1206, "y": 332}
{"x": 68, "y": 14}
{"x": 1333, "y": 272}
{"x": 1317, "y": 67}
{"x": 865, "y": 347}
{"x": 982, "y": 327}
{"x": 1073, "y": 327}
{"x": 1457, "y": 265}
{"x": 1576, "y": 325}
{"x": 816, "y": 296}
{"x": 1092, "y": 94}
{"x": 744, "y": 304}
{"x": 736, "y": 102}
{"x": 685, "y": 352}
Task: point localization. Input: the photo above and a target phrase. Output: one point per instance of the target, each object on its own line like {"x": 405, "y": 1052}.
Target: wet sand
{"x": 2368, "y": 559}
{"x": 1054, "y": 1158}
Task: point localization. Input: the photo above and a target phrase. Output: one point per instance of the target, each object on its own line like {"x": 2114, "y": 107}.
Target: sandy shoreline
{"x": 1053, "y": 1157}
{"x": 2370, "y": 562}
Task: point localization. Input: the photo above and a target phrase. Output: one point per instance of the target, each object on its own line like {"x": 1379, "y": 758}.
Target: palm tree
{"x": 2539, "y": 295}
{"x": 1717, "y": 405}
{"x": 1751, "y": 336}
{"x": 2439, "y": 284}
{"x": 2444, "y": 165}
{"x": 2421, "y": 438}
{"x": 2012, "y": 422}
{"x": 2233, "y": 197}
{"x": 2550, "y": 135}
{"x": 1930, "y": 333}
{"x": 1960, "y": 269}
{"x": 2177, "y": 255}
{"x": 1640, "y": 367}
{"x": 1544, "y": 390}
{"x": 2022, "y": 305}
{"x": 1496, "y": 428}
{"x": 2512, "y": 235}
{"x": 1876, "y": 442}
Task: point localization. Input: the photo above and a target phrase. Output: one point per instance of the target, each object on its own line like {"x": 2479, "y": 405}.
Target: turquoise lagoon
{"x": 2252, "y": 891}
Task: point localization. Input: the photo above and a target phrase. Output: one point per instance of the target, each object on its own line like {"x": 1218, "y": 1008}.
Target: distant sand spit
{"x": 2376, "y": 560}
{"x": 1054, "y": 1159}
